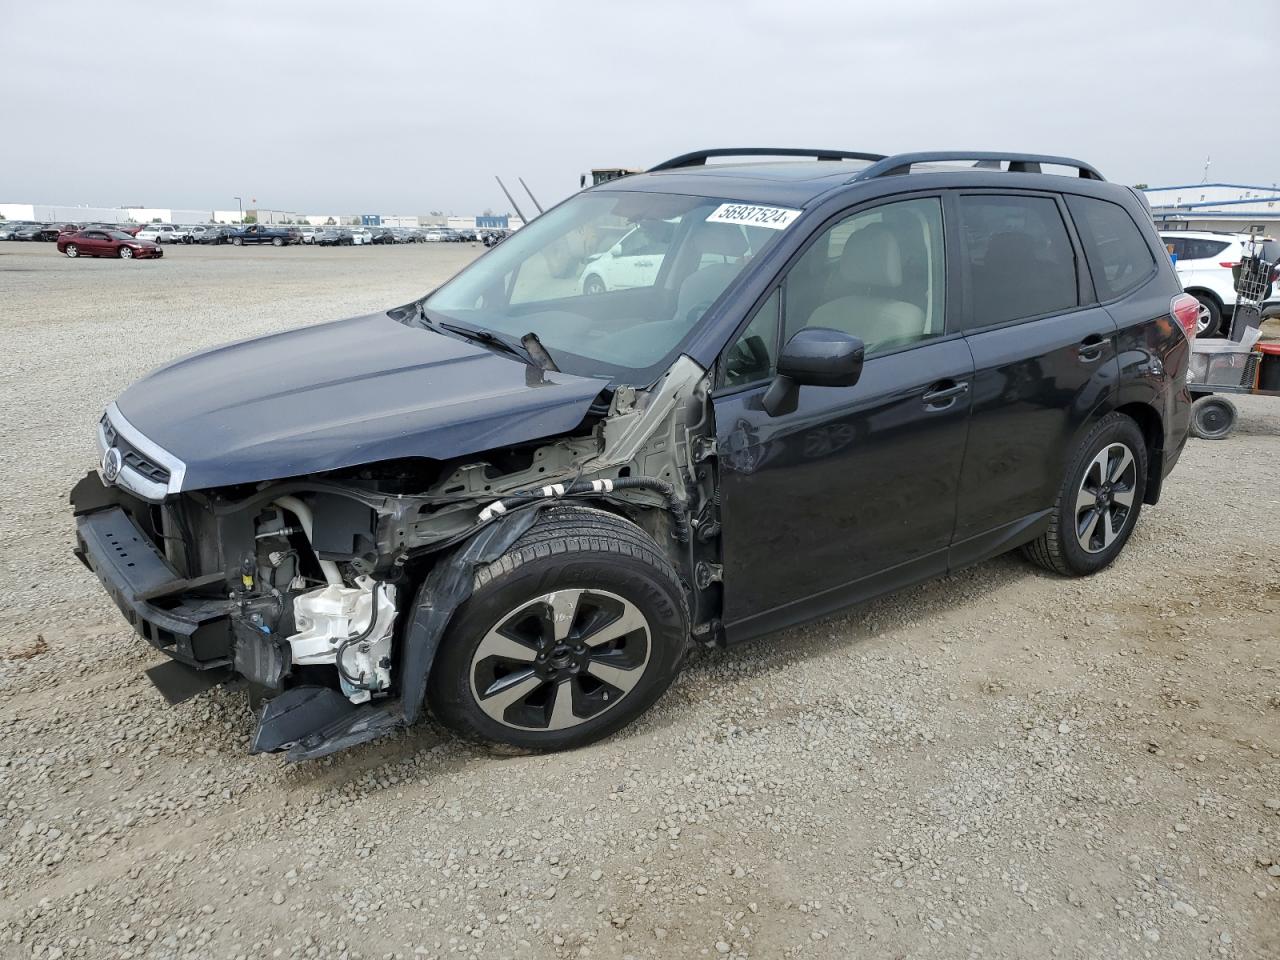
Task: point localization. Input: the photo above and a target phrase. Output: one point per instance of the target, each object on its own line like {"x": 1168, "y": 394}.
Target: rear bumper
{"x": 194, "y": 630}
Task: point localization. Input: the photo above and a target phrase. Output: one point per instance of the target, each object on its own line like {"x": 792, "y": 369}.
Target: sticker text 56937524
{"x": 750, "y": 215}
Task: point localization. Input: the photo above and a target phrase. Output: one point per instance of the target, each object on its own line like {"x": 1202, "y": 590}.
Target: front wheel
{"x": 569, "y": 636}
{"x": 1213, "y": 418}
{"x": 126, "y": 253}
{"x": 72, "y": 251}
{"x": 593, "y": 285}
{"x": 1099, "y": 501}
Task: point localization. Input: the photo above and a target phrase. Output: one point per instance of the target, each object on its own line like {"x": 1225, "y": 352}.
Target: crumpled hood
{"x": 342, "y": 394}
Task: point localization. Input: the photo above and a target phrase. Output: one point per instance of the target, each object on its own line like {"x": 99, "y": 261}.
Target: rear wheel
{"x": 1213, "y": 418}
{"x": 566, "y": 638}
{"x": 1209, "y": 319}
{"x": 1099, "y": 501}
{"x": 238, "y": 241}
{"x": 277, "y": 242}
{"x": 72, "y": 251}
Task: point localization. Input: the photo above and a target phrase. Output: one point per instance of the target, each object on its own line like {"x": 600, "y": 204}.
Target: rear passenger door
{"x": 1045, "y": 360}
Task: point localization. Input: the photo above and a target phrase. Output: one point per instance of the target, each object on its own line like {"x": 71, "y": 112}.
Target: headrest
{"x": 873, "y": 257}
{"x": 720, "y": 239}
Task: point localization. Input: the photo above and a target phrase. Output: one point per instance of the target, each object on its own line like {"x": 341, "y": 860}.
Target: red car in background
{"x": 106, "y": 243}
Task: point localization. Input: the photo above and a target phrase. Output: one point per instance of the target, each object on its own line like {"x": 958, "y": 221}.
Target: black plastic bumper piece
{"x": 193, "y": 630}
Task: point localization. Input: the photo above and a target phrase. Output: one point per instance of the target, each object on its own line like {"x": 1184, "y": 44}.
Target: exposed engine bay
{"x": 325, "y": 595}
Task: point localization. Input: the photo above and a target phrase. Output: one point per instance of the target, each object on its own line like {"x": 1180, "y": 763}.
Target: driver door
{"x": 854, "y": 492}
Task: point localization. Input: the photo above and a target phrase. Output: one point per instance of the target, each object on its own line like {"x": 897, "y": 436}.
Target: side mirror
{"x": 815, "y": 357}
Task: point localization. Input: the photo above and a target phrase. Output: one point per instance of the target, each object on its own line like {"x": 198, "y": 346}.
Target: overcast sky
{"x": 405, "y": 107}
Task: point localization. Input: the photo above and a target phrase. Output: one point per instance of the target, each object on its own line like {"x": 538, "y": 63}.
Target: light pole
{"x": 240, "y": 200}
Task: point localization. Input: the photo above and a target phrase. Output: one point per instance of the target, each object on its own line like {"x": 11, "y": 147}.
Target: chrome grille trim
{"x": 148, "y": 469}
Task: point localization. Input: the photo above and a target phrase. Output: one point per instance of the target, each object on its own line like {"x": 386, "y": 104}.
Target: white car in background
{"x": 159, "y": 233}
{"x": 309, "y": 233}
{"x": 633, "y": 261}
{"x": 1206, "y": 264}
{"x": 359, "y": 236}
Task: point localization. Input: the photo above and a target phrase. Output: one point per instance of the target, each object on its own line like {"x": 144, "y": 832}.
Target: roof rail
{"x": 699, "y": 157}
{"x": 902, "y": 163}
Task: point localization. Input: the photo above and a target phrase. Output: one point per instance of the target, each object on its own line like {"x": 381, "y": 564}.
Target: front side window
{"x": 878, "y": 275}
{"x": 611, "y": 282}
{"x": 754, "y": 354}
{"x": 1018, "y": 258}
{"x": 1118, "y": 255}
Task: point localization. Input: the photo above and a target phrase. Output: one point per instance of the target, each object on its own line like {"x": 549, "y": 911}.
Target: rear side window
{"x": 1194, "y": 249}
{"x": 1018, "y": 258}
{"x": 1118, "y": 255}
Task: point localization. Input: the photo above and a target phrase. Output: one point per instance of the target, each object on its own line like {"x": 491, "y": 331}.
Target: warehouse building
{"x": 1229, "y": 207}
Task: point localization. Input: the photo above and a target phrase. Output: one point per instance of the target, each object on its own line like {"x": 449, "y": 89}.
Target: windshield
{"x": 119, "y": 235}
{"x": 611, "y": 282}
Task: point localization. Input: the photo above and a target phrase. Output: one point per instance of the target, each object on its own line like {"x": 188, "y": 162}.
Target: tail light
{"x": 1186, "y": 310}
{"x": 1229, "y": 264}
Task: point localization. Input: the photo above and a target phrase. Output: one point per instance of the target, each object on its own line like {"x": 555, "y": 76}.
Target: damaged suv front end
{"x": 304, "y": 513}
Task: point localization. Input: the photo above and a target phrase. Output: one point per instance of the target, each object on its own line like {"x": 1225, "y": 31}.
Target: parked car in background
{"x": 1206, "y": 264}
{"x": 334, "y": 237}
{"x": 97, "y": 242}
{"x": 309, "y": 234}
{"x": 382, "y": 235}
{"x": 51, "y": 231}
{"x": 9, "y": 229}
{"x": 205, "y": 233}
{"x": 631, "y": 262}
{"x": 28, "y": 232}
{"x": 260, "y": 233}
{"x": 361, "y": 236}
{"x": 157, "y": 232}
{"x": 434, "y": 235}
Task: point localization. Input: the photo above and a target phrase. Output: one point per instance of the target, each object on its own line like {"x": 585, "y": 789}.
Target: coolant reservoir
{"x": 326, "y": 618}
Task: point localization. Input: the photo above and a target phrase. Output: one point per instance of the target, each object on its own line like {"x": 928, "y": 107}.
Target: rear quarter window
{"x": 1118, "y": 255}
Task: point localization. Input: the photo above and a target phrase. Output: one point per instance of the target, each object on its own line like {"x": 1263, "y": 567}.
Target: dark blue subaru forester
{"x": 690, "y": 405}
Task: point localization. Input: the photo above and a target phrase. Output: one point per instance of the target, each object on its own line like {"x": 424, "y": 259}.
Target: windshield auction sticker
{"x": 749, "y": 215}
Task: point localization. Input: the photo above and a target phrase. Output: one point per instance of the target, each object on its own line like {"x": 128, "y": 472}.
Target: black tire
{"x": 569, "y": 548}
{"x": 1213, "y": 418}
{"x": 1209, "y": 305}
{"x": 1059, "y": 548}
{"x": 593, "y": 286}
{"x": 238, "y": 241}
{"x": 72, "y": 251}
{"x": 277, "y": 242}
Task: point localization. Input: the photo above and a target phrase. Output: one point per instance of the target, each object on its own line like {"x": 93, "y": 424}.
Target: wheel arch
{"x": 440, "y": 591}
{"x": 1151, "y": 424}
{"x": 1212, "y": 294}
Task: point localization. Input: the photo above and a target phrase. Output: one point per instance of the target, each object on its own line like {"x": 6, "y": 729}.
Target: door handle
{"x": 1091, "y": 348}
{"x": 943, "y": 394}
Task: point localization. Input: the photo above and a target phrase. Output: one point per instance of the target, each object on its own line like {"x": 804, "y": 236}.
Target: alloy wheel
{"x": 1104, "y": 502}
{"x": 126, "y": 253}
{"x": 1204, "y": 317}
{"x": 560, "y": 659}
{"x": 72, "y": 250}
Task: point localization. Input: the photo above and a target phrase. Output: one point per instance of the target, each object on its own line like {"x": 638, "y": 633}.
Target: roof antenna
{"x": 515, "y": 206}
{"x": 1207, "y": 161}
{"x": 530, "y": 193}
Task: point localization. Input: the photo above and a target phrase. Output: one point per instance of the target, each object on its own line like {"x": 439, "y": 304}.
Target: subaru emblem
{"x": 111, "y": 463}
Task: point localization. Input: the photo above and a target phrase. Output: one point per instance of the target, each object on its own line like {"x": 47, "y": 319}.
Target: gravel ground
{"x": 998, "y": 764}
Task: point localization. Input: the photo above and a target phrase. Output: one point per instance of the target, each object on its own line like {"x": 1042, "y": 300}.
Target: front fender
{"x": 444, "y": 589}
